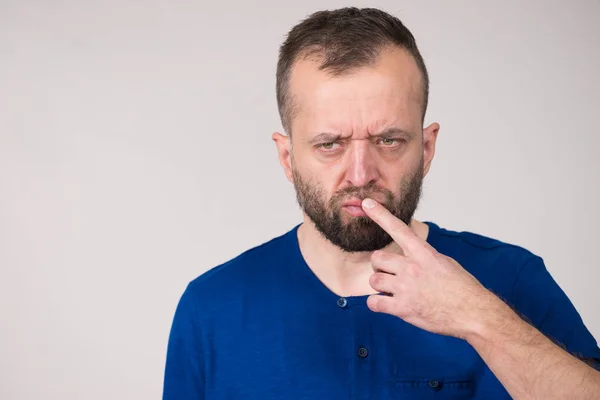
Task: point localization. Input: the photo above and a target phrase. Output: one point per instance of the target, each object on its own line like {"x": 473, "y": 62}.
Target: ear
{"x": 283, "y": 144}
{"x": 430, "y": 134}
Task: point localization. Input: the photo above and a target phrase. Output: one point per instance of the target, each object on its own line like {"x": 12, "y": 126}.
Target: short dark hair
{"x": 345, "y": 39}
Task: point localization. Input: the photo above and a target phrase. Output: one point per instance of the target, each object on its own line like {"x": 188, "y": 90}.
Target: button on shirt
{"x": 262, "y": 326}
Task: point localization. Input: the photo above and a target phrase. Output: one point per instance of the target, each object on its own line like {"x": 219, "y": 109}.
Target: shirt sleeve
{"x": 537, "y": 296}
{"x": 184, "y": 371}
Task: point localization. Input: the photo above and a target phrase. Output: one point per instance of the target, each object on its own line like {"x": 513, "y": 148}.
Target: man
{"x": 361, "y": 301}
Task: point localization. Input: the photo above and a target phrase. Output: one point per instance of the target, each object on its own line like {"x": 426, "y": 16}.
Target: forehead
{"x": 375, "y": 97}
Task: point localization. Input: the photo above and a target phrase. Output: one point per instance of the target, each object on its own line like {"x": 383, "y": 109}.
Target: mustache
{"x": 369, "y": 190}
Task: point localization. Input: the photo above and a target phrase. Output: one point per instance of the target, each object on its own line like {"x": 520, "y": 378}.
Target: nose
{"x": 362, "y": 166}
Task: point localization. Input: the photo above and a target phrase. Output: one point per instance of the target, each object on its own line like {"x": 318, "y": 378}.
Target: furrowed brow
{"x": 392, "y": 133}
{"x": 325, "y": 137}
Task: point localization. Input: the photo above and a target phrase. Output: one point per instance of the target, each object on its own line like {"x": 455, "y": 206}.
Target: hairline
{"x": 290, "y": 106}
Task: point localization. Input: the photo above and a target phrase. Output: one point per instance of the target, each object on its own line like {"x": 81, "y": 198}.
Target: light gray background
{"x": 135, "y": 154}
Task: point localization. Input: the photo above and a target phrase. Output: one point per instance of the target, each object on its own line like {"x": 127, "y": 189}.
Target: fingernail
{"x": 368, "y": 203}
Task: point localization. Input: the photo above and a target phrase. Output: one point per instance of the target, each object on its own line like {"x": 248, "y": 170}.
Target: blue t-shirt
{"x": 263, "y": 326}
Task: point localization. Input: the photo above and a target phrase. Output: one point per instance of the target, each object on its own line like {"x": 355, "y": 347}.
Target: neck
{"x": 345, "y": 274}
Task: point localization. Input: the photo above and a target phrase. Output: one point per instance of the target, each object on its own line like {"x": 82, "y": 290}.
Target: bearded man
{"x": 360, "y": 300}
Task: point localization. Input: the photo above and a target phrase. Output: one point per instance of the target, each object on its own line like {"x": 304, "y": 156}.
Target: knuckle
{"x": 380, "y": 256}
{"x": 413, "y": 270}
{"x": 375, "y": 279}
{"x": 376, "y": 256}
{"x": 430, "y": 251}
{"x": 397, "y": 225}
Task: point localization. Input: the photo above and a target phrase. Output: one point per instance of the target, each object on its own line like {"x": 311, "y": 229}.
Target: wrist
{"x": 490, "y": 318}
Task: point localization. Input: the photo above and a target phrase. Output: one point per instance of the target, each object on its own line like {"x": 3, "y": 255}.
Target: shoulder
{"x": 496, "y": 263}
{"x": 249, "y": 266}
{"x": 475, "y": 243}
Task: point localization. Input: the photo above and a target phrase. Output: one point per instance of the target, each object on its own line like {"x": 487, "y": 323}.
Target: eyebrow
{"x": 393, "y": 132}
{"x": 325, "y": 137}
{"x": 386, "y": 134}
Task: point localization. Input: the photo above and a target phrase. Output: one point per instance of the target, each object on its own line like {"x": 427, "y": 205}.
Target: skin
{"x": 355, "y": 106}
{"x": 432, "y": 291}
{"x": 428, "y": 289}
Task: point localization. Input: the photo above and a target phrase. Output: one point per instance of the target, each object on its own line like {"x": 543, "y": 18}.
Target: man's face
{"x": 345, "y": 226}
{"x": 358, "y": 135}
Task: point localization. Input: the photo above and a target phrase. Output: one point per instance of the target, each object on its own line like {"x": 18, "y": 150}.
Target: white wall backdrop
{"x": 135, "y": 154}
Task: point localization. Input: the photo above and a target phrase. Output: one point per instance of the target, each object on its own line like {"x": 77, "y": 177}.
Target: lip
{"x": 354, "y": 211}
{"x": 353, "y": 203}
{"x": 354, "y": 207}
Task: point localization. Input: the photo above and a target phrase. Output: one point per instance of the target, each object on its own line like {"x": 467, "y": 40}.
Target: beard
{"x": 357, "y": 233}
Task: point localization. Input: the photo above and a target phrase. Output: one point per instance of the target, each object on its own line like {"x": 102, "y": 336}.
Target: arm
{"x": 527, "y": 363}
{"x": 435, "y": 293}
{"x": 184, "y": 370}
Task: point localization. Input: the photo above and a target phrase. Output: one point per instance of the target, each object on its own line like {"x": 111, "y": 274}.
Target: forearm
{"x": 528, "y": 364}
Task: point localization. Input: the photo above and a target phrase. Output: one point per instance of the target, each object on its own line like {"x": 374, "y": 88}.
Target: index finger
{"x": 396, "y": 228}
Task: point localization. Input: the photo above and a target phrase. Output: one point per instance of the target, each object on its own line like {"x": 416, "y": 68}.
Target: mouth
{"x": 354, "y": 208}
{"x": 355, "y": 211}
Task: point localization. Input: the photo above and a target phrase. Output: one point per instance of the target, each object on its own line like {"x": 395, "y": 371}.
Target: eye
{"x": 390, "y": 142}
{"x": 328, "y": 145}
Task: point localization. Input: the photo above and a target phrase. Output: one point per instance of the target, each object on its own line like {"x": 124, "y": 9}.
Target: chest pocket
{"x": 453, "y": 388}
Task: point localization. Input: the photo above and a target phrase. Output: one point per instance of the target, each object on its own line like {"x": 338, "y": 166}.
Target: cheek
{"x": 313, "y": 184}
{"x": 402, "y": 170}
{"x": 320, "y": 178}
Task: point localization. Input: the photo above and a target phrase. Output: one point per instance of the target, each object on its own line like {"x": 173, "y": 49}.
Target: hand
{"x": 423, "y": 287}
